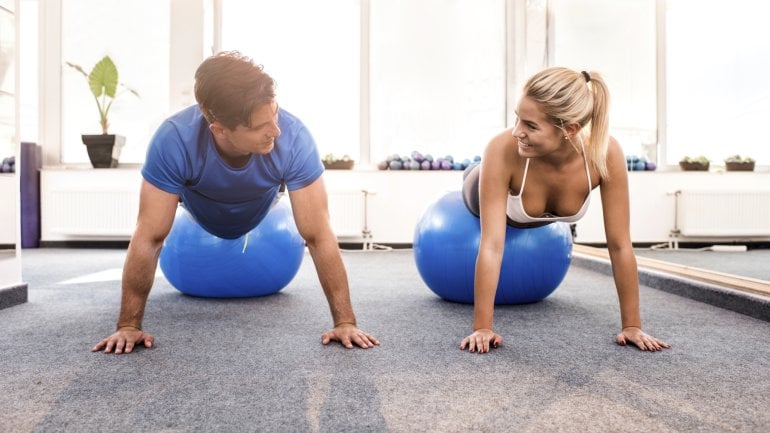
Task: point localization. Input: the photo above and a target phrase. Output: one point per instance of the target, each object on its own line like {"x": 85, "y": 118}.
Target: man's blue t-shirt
{"x": 228, "y": 202}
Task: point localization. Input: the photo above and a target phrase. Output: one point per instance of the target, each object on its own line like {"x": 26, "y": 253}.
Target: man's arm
{"x": 311, "y": 214}
{"x": 156, "y": 215}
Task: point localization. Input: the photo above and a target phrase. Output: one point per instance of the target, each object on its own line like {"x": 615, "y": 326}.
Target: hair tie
{"x": 586, "y": 76}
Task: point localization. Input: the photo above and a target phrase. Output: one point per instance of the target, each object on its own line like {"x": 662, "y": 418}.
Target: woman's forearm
{"x": 626, "y": 275}
{"x": 485, "y": 287}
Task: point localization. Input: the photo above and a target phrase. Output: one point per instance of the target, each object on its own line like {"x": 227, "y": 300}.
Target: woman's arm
{"x": 616, "y": 208}
{"x": 493, "y": 194}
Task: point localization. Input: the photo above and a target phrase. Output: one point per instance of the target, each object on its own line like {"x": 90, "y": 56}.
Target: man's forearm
{"x": 138, "y": 277}
{"x": 334, "y": 280}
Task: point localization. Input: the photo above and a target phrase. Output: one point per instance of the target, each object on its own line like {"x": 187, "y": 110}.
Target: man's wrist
{"x": 127, "y": 325}
{"x": 344, "y": 322}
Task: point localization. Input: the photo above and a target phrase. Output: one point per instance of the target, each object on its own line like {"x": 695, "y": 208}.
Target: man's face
{"x": 259, "y": 137}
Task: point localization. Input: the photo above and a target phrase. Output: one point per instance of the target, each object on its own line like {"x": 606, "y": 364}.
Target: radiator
{"x": 90, "y": 213}
{"x": 722, "y": 213}
{"x": 113, "y": 213}
{"x": 346, "y": 210}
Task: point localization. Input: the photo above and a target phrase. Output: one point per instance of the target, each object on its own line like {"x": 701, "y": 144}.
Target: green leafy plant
{"x": 103, "y": 82}
{"x": 330, "y": 158}
{"x": 739, "y": 159}
{"x": 702, "y": 160}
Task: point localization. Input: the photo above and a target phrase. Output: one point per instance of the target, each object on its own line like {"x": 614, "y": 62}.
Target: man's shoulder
{"x": 288, "y": 121}
{"x": 184, "y": 126}
{"x": 190, "y": 116}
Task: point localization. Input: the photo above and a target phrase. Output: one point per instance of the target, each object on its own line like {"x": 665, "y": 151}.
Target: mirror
{"x": 720, "y": 259}
{"x": 10, "y": 261}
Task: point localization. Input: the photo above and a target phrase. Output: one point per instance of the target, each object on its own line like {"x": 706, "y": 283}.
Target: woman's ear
{"x": 572, "y": 129}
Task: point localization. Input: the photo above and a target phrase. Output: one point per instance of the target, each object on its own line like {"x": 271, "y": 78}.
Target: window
{"x": 717, "y": 92}
{"x": 440, "y": 91}
{"x": 616, "y": 39}
{"x": 312, "y": 51}
{"x": 7, "y": 81}
{"x": 438, "y": 78}
{"x": 136, "y": 36}
{"x": 28, "y": 80}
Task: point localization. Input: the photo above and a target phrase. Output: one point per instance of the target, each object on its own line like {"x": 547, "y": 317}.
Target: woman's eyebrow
{"x": 529, "y": 122}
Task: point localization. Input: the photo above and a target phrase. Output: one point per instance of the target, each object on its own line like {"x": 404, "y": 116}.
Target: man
{"x": 231, "y": 154}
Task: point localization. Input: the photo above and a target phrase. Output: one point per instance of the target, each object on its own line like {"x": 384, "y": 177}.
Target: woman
{"x": 542, "y": 171}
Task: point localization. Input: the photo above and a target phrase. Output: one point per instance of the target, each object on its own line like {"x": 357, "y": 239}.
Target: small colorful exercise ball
{"x": 446, "y": 243}
{"x": 259, "y": 263}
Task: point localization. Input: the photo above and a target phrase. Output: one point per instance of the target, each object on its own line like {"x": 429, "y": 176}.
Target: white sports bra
{"x": 516, "y": 210}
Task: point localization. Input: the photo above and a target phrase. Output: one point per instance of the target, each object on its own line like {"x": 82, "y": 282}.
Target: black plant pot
{"x": 104, "y": 149}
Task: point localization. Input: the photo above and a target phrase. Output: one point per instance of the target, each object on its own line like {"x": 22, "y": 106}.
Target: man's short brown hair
{"x": 229, "y": 87}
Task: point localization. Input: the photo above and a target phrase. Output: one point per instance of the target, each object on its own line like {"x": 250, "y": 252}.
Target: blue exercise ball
{"x": 259, "y": 263}
{"x": 446, "y": 243}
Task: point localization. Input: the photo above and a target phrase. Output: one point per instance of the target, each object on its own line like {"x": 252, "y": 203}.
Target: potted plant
{"x": 331, "y": 162}
{"x": 103, "y": 149}
{"x": 699, "y": 163}
{"x": 739, "y": 163}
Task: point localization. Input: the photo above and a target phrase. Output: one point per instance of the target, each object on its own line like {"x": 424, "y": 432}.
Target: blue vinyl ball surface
{"x": 258, "y": 263}
{"x": 446, "y": 242}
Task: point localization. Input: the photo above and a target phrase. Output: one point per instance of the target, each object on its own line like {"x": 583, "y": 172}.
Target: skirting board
{"x": 13, "y": 295}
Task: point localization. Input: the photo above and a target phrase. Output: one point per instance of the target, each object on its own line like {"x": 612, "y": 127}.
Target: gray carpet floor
{"x": 257, "y": 365}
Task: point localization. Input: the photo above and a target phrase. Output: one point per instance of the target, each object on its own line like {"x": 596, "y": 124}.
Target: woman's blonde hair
{"x": 566, "y": 97}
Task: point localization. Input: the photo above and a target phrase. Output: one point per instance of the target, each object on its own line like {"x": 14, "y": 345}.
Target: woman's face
{"x": 535, "y": 134}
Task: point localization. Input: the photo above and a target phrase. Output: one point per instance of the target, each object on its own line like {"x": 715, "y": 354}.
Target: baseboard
{"x": 750, "y": 245}
{"x": 13, "y": 295}
{"x": 85, "y": 244}
{"x": 348, "y": 246}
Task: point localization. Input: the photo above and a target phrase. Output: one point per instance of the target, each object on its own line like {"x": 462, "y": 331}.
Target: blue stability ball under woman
{"x": 446, "y": 243}
{"x": 259, "y": 263}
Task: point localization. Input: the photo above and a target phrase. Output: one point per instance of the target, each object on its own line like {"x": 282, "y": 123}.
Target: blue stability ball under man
{"x": 446, "y": 243}
{"x": 259, "y": 263}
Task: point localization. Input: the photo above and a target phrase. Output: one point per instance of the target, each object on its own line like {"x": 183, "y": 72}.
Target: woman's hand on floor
{"x": 634, "y": 335}
{"x": 481, "y": 341}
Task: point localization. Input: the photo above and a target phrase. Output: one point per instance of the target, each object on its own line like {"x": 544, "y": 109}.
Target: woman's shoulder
{"x": 502, "y": 143}
{"x": 616, "y": 162}
{"x": 613, "y": 143}
{"x": 614, "y": 151}
{"x": 501, "y": 154}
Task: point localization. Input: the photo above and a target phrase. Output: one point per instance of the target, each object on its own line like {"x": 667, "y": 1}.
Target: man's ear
{"x": 217, "y": 129}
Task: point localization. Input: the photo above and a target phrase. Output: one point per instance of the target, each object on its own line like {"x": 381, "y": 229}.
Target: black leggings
{"x": 471, "y": 188}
